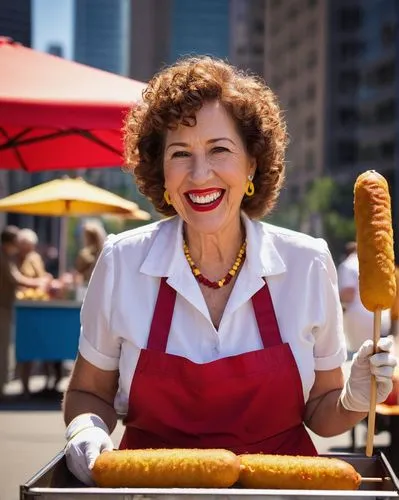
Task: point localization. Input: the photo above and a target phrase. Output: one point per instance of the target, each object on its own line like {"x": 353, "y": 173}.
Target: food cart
{"x": 46, "y": 330}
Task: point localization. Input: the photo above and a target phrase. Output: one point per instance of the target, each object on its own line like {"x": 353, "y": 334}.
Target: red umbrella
{"x": 58, "y": 114}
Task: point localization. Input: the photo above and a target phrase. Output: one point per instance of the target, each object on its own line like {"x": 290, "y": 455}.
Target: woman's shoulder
{"x": 141, "y": 237}
{"x": 287, "y": 239}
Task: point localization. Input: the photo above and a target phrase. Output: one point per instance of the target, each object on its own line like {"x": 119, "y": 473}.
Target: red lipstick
{"x": 204, "y": 207}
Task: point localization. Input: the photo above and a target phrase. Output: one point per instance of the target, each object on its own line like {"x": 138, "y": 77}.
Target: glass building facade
{"x": 199, "y": 27}
{"x": 102, "y": 34}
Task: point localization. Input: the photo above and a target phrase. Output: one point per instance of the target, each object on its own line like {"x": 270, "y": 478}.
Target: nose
{"x": 201, "y": 170}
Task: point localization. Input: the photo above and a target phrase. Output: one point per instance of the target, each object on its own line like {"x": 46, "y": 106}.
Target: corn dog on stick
{"x": 377, "y": 283}
{"x": 298, "y": 473}
{"x": 374, "y": 237}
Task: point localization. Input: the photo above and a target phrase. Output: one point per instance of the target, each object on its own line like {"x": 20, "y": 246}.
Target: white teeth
{"x": 209, "y": 198}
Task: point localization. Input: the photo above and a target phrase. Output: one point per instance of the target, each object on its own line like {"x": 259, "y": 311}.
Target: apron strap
{"x": 162, "y": 318}
{"x": 266, "y": 317}
{"x": 163, "y": 313}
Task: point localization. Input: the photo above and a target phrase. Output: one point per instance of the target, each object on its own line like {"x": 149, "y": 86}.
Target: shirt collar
{"x": 262, "y": 257}
{"x": 166, "y": 256}
{"x": 166, "y": 253}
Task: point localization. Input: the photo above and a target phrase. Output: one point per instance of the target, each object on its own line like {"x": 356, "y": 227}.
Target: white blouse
{"x": 118, "y": 308}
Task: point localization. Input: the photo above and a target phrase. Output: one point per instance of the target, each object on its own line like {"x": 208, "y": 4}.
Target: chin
{"x": 207, "y": 224}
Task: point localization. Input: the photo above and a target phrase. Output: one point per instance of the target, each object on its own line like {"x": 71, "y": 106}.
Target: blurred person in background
{"x": 52, "y": 260}
{"x": 31, "y": 265}
{"x": 10, "y": 279}
{"x": 395, "y": 313}
{"x": 93, "y": 241}
{"x": 358, "y": 321}
{"x": 188, "y": 319}
{"x": 30, "y": 262}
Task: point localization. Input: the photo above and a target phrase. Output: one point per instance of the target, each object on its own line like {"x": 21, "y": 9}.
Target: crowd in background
{"x": 31, "y": 271}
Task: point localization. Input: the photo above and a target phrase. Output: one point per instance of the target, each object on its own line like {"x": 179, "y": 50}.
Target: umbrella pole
{"x": 63, "y": 245}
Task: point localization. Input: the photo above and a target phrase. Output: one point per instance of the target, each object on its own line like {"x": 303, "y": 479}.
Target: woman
{"x": 30, "y": 265}
{"x": 93, "y": 237}
{"x": 30, "y": 262}
{"x": 394, "y": 331}
{"x": 210, "y": 328}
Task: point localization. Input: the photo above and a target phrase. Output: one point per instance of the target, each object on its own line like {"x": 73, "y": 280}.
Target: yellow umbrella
{"x": 69, "y": 197}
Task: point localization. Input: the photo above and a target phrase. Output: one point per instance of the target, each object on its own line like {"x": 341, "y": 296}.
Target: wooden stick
{"x": 373, "y": 388}
{"x": 375, "y": 479}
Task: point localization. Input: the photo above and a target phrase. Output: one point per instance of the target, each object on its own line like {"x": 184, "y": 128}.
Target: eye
{"x": 180, "y": 154}
{"x": 220, "y": 149}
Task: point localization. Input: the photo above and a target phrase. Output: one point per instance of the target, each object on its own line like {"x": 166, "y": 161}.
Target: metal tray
{"x": 55, "y": 482}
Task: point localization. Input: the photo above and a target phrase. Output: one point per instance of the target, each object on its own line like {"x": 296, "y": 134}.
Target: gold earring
{"x": 166, "y": 196}
{"x": 250, "y": 188}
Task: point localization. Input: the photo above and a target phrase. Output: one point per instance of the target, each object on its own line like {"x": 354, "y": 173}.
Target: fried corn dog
{"x": 374, "y": 236}
{"x": 166, "y": 468}
{"x": 289, "y": 472}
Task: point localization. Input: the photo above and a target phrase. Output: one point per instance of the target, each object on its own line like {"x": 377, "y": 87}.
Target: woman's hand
{"x": 87, "y": 436}
{"x": 356, "y": 393}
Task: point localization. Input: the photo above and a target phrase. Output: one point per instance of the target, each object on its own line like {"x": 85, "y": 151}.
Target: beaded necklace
{"x": 219, "y": 283}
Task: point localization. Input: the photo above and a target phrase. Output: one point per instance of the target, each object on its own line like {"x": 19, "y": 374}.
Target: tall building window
{"x": 258, "y": 26}
{"x": 310, "y": 92}
{"x": 369, "y": 153}
{"x": 294, "y": 193}
{"x": 387, "y": 150}
{"x": 292, "y": 102}
{"x": 348, "y": 81}
{"x": 310, "y": 161}
{"x": 311, "y": 59}
{"x": 388, "y": 34}
{"x": 347, "y": 151}
{"x": 348, "y": 116}
{"x": 312, "y": 28}
{"x": 310, "y": 127}
{"x": 293, "y": 12}
{"x": 292, "y": 72}
{"x": 385, "y": 75}
{"x": 350, "y": 19}
{"x": 352, "y": 50}
{"x": 385, "y": 112}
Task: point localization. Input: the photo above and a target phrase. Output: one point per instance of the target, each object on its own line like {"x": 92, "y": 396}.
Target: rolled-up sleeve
{"x": 97, "y": 343}
{"x": 330, "y": 346}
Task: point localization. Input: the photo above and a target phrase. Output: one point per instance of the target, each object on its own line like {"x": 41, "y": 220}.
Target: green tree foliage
{"x": 326, "y": 210}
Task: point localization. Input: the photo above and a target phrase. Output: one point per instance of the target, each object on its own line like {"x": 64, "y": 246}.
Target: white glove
{"x": 87, "y": 436}
{"x": 356, "y": 392}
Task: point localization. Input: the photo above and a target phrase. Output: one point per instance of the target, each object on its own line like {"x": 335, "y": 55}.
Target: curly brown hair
{"x": 175, "y": 95}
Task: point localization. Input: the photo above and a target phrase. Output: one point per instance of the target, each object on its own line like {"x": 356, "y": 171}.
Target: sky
{"x": 52, "y": 23}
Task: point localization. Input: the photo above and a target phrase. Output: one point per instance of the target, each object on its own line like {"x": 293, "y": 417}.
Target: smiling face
{"x": 206, "y": 169}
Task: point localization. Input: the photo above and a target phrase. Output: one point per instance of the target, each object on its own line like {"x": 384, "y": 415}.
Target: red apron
{"x": 251, "y": 402}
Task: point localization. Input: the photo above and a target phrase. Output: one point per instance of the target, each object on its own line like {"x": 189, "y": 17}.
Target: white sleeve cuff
{"x": 330, "y": 362}
{"x": 95, "y": 357}
{"x": 82, "y": 422}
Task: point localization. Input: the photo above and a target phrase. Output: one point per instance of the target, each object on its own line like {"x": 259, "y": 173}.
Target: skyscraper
{"x": 334, "y": 64}
{"x": 163, "y": 31}
{"x": 247, "y": 34}
{"x": 199, "y": 27}
{"x": 15, "y": 22}
{"x": 295, "y": 68}
{"x": 102, "y": 34}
